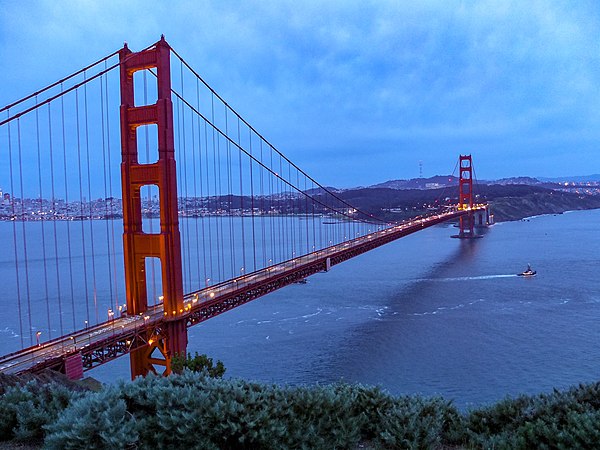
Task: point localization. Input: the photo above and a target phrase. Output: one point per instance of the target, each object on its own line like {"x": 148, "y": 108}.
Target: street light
{"x": 37, "y": 337}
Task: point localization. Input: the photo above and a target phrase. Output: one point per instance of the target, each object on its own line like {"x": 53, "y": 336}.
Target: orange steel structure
{"x": 465, "y": 196}
{"x": 139, "y": 245}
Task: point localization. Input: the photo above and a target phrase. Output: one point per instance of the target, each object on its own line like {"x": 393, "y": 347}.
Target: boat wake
{"x": 482, "y": 277}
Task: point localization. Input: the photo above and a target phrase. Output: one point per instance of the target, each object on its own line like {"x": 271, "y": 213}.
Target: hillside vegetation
{"x": 193, "y": 410}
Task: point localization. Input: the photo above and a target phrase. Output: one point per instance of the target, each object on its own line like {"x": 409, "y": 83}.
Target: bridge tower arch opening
{"x": 138, "y": 245}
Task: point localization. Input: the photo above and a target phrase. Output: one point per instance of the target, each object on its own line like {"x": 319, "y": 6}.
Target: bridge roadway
{"x": 106, "y": 341}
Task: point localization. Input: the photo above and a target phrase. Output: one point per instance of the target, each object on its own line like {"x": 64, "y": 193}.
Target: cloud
{"x": 320, "y": 78}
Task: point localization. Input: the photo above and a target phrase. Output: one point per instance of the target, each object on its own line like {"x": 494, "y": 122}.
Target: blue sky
{"x": 357, "y": 92}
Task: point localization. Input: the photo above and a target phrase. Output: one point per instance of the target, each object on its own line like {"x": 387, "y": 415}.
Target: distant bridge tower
{"x": 465, "y": 196}
{"x": 138, "y": 245}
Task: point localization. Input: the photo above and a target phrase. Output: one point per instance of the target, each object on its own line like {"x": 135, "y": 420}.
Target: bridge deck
{"x": 109, "y": 340}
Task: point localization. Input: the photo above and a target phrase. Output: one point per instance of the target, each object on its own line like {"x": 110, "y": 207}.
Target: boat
{"x": 527, "y": 273}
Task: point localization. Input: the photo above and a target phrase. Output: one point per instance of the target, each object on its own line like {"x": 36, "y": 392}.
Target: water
{"x": 430, "y": 315}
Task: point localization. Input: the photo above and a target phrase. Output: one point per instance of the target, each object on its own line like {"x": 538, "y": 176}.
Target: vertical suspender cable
{"x": 65, "y": 174}
{"x": 201, "y": 177}
{"x": 42, "y": 215}
{"x": 306, "y": 218}
{"x": 207, "y": 177}
{"x": 107, "y": 211}
{"x": 54, "y": 215}
{"x": 82, "y": 209}
{"x": 272, "y": 236}
{"x": 196, "y": 199}
{"x": 89, "y": 186}
{"x": 241, "y": 197}
{"x": 217, "y": 192}
{"x": 110, "y": 247}
{"x": 14, "y": 221}
{"x": 185, "y": 184}
{"x": 262, "y": 208}
{"x": 221, "y": 243}
{"x": 25, "y": 257}
{"x": 230, "y": 199}
{"x": 291, "y": 219}
{"x": 252, "y": 200}
{"x": 179, "y": 149}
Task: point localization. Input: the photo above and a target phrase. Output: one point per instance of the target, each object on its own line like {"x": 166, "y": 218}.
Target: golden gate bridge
{"x": 213, "y": 215}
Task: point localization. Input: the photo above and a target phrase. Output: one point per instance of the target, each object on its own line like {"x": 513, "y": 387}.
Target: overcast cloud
{"x": 358, "y": 92}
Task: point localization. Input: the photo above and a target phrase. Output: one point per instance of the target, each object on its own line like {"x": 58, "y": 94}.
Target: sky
{"x": 357, "y": 92}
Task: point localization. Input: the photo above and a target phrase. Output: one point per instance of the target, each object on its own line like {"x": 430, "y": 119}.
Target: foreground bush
{"x": 195, "y": 410}
{"x": 567, "y": 419}
{"x": 26, "y": 409}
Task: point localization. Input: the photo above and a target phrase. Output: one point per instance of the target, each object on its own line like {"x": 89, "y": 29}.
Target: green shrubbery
{"x": 198, "y": 363}
{"x": 26, "y": 409}
{"x": 195, "y": 410}
{"x": 567, "y": 419}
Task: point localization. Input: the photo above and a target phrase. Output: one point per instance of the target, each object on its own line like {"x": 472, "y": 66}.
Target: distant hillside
{"x": 577, "y": 179}
{"x": 437, "y": 181}
{"x": 516, "y": 180}
{"x": 513, "y": 202}
{"x": 508, "y": 201}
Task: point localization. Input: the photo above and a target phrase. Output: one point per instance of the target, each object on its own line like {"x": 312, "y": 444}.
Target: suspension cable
{"x": 279, "y": 176}
{"x": 61, "y": 81}
{"x": 265, "y": 140}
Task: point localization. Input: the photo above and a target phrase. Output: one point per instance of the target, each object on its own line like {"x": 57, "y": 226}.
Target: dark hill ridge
{"x": 419, "y": 183}
{"x": 508, "y": 202}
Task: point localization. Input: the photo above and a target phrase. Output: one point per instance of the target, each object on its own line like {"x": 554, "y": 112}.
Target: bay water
{"x": 426, "y": 314}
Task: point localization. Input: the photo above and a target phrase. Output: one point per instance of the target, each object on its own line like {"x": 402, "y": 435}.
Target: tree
{"x": 199, "y": 363}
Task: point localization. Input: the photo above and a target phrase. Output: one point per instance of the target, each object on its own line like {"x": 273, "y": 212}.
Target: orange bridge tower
{"x": 138, "y": 245}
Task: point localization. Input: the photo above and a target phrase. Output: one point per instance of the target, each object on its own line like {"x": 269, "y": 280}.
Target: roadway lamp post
{"x": 111, "y": 318}
{"x": 37, "y": 337}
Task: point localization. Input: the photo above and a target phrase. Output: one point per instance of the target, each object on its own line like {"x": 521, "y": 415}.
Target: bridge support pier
{"x": 138, "y": 245}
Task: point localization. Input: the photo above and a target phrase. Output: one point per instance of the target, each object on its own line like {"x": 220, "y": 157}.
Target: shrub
{"x": 198, "y": 363}
{"x": 26, "y": 409}
{"x": 95, "y": 421}
{"x": 567, "y": 419}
